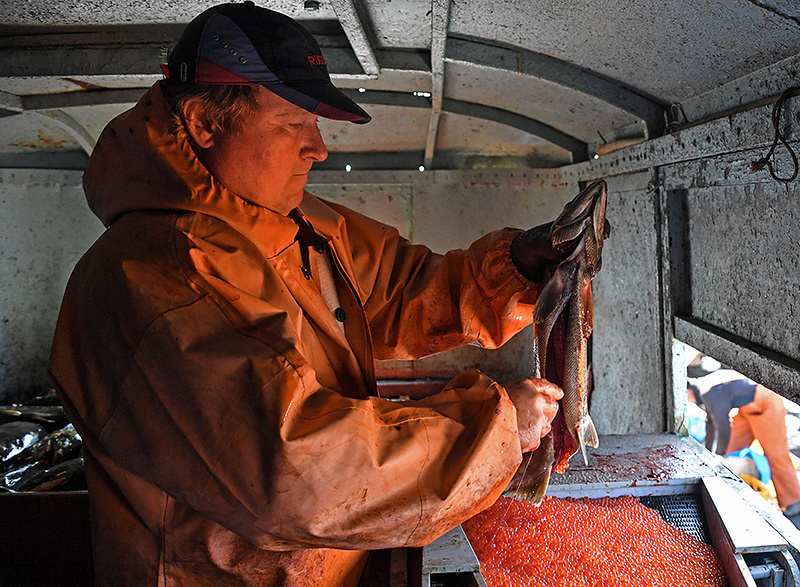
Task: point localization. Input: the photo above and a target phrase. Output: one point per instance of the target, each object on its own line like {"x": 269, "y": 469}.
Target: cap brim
{"x": 322, "y": 99}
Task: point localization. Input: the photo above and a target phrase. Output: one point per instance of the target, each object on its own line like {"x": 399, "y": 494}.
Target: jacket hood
{"x": 141, "y": 164}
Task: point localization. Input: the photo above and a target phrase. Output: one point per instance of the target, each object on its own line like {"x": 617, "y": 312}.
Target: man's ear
{"x": 200, "y": 129}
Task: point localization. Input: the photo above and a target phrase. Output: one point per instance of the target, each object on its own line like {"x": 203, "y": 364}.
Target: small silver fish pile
{"x": 39, "y": 449}
{"x": 563, "y": 319}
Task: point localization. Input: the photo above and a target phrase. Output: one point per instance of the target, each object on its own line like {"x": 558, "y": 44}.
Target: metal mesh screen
{"x": 685, "y": 512}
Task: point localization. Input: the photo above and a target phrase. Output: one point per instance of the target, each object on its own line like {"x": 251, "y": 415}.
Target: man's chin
{"x": 292, "y": 200}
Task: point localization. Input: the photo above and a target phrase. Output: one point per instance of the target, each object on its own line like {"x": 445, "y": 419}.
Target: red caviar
{"x": 606, "y": 542}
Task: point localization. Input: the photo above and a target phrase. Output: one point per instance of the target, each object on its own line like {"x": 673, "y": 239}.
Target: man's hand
{"x": 532, "y": 252}
{"x": 536, "y": 401}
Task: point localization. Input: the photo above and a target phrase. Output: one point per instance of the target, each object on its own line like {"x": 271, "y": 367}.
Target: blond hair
{"x": 226, "y": 107}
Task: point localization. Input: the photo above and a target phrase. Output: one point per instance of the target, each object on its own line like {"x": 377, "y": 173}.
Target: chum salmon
{"x": 563, "y": 319}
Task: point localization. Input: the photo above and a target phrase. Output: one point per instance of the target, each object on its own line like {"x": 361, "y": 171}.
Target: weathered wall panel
{"x": 627, "y": 360}
{"x": 745, "y": 264}
{"x": 45, "y": 226}
{"x": 740, "y": 265}
{"x": 454, "y": 209}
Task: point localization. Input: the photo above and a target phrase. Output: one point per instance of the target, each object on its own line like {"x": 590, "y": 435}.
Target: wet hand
{"x": 536, "y": 401}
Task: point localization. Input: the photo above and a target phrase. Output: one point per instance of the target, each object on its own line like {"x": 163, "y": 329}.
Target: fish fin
{"x": 592, "y": 250}
{"x": 580, "y": 206}
{"x": 538, "y": 495}
{"x": 533, "y": 475}
{"x": 588, "y": 433}
{"x": 583, "y": 452}
{"x": 599, "y": 216}
{"x": 587, "y": 436}
{"x": 563, "y": 233}
{"x": 535, "y": 496}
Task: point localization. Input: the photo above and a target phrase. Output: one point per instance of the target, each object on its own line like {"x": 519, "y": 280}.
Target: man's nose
{"x": 314, "y": 147}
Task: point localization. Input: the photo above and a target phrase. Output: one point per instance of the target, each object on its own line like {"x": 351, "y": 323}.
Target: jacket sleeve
{"x": 419, "y": 302}
{"x": 231, "y": 421}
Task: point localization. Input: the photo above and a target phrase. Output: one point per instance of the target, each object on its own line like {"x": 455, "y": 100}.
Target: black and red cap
{"x": 244, "y": 44}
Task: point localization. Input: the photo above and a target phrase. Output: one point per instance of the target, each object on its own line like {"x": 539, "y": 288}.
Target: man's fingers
{"x": 536, "y": 401}
{"x": 551, "y": 409}
{"x": 548, "y": 388}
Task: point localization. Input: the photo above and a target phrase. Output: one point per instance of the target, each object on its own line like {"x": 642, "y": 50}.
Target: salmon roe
{"x": 606, "y": 542}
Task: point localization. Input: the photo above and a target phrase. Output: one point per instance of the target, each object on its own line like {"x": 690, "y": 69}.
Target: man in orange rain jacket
{"x": 215, "y": 346}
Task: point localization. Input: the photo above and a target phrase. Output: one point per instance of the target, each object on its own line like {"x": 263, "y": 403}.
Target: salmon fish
{"x": 563, "y": 319}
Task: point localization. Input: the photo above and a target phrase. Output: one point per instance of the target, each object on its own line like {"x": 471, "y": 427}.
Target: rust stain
{"x": 83, "y": 84}
{"x": 44, "y": 141}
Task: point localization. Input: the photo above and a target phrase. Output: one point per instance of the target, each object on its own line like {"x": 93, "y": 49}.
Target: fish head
{"x": 584, "y": 214}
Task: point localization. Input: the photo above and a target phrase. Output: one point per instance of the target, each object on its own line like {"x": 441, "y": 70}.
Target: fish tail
{"x": 533, "y": 476}
{"x": 538, "y": 495}
{"x": 534, "y": 494}
{"x": 590, "y": 433}
{"x": 583, "y": 452}
{"x": 587, "y": 435}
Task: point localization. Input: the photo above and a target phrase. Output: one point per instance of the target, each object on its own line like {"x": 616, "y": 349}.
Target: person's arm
{"x": 233, "y": 423}
{"x": 419, "y": 302}
{"x": 711, "y": 432}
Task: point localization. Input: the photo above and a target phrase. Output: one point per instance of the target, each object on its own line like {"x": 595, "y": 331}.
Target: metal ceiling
{"x": 450, "y": 83}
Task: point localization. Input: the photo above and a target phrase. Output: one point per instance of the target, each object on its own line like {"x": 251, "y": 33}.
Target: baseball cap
{"x": 244, "y": 44}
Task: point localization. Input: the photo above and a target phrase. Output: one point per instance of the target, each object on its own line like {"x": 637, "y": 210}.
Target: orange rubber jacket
{"x": 232, "y": 431}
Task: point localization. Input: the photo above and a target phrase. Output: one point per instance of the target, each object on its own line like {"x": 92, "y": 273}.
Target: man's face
{"x": 268, "y": 160}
